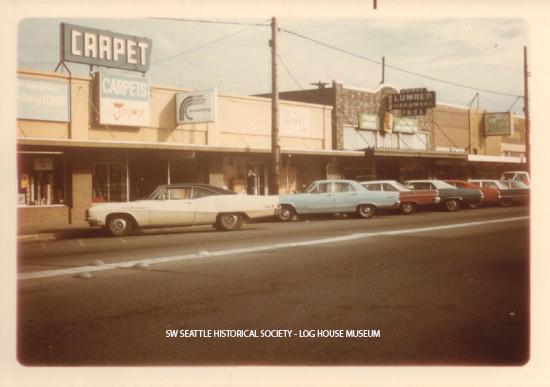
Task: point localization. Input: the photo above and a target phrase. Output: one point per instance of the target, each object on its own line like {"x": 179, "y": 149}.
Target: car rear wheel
{"x": 286, "y": 214}
{"x": 408, "y": 208}
{"x": 120, "y": 225}
{"x": 452, "y": 205}
{"x": 228, "y": 222}
{"x": 366, "y": 211}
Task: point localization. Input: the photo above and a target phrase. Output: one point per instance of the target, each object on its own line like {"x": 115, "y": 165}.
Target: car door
{"x": 205, "y": 205}
{"x": 173, "y": 207}
{"x": 491, "y": 191}
{"x": 320, "y": 199}
{"x": 345, "y": 197}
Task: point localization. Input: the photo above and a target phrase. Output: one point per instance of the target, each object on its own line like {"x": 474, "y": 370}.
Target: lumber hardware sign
{"x": 412, "y": 102}
{"x": 104, "y": 48}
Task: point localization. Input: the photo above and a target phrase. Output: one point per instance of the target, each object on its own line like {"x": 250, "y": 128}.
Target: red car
{"x": 410, "y": 200}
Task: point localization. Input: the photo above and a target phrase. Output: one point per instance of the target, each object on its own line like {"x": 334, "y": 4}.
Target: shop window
{"x": 110, "y": 181}
{"x": 40, "y": 179}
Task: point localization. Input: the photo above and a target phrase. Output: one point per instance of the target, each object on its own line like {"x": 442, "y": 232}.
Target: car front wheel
{"x": 366, "y": 211}
{"x": 120, "y": 225}
{"x": 228, "y": 222}
{"x": 452, "y": 205}
{"x": 476, "y": 204}
{"x": 408, "y": 208}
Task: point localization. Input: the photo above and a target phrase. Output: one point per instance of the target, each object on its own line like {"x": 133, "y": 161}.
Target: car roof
{"x": 198, "y": 185}
{"x": 334, "y": 181}
{"x": 377, "y": 181}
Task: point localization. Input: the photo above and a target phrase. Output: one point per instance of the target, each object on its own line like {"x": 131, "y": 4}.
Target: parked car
{"x": 182, "y": 205}
{"x": 521, "y": 176}
{"x": 410, "y": 200}
{"x": 336, "y": 196}
{"x": 466, "y": 184}
{"x": 452, "y": 198}
{"x": 504, "y": 193}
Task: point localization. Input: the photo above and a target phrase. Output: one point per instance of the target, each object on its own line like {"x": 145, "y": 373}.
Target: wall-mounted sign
{"x": 41, "y": 99}
{"x": 123, "y": 100}
{"x": 412, "y": 102}
{"x": 196, "y": 107}
{"x": 498, "y": 124}
{"x": 43, "y": 164}
{"x": 388, "y": 122}
{"x": 405, "y": 125}
{"x": 105, "y": 48}
{"x": 369, "y": 121}
{"x": 294, "y": 121}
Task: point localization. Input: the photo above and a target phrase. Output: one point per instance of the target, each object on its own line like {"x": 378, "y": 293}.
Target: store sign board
{"x": 405, "y": 125}
{"x": 196, "y": 107}
{"x": 105, "y": 48}
{"x": 498, "y": 124}
{"x": 369, "y": 121}
{"x": 294, "y": 121}
{"x": 412, "y": 102}
{"x": 43, "y": 164}
{"x": 43, "y": 99}
{"x": 123, "y": 100}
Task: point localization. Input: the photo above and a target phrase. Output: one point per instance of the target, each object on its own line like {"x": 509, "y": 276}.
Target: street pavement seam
{"x": 208, "y": 254}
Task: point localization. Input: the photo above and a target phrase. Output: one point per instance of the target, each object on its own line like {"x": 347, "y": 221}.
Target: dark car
{"x": 504, "y": 193}
{"x": 451, "y": 198}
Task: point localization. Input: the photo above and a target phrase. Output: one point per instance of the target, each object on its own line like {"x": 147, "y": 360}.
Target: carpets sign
{"x": 104, "y": 48}
{"x": 123, "y": 100}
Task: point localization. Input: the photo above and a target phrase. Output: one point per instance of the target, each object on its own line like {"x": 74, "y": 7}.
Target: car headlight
{"x": 437, "y": 199}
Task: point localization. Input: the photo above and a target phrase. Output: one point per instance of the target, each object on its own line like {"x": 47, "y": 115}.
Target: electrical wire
{"x": 289, "y": 72}
{"x": 214, "y": 21}
{"x": 398, "y": 68}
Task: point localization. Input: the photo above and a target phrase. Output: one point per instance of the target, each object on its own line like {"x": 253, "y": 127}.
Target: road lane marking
{"x": 245, "y": 250}
{"x": 123, "y": 240}
{"x": 81, "y": 243}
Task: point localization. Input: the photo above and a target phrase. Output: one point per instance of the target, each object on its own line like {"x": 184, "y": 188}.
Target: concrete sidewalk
{"x": 68, "y": 232}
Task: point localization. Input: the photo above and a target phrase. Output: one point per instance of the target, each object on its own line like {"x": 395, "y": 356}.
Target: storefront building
{"x": 445, "y": 141}
{"x": 72, "y": 151}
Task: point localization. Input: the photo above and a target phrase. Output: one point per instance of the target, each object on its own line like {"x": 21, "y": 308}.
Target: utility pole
{"x": 526, "y": 111}
{"x": 275, "y": 147}
{"x": 383, "y": 70}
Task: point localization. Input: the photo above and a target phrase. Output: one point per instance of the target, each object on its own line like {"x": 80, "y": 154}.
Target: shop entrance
{"x": 256, "y": 181}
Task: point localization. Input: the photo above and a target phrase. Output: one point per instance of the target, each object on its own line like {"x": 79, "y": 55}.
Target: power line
{"x": 214, "y": 21}
{"x": 289, "y": 72}
{"x": 398, "y": 68}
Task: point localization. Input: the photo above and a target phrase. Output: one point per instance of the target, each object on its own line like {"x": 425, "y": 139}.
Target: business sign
{"x": 369, "y": 121}
{"x": 196, "y": 107}
{"x": 412, "y": 102}
{"x": 405, "y": 125}
{"x": 498, "y": 124}
{"x": 294, "y": 121}
{"x": 123, "y": 100}
{"x": 105, "y": 48}
{"x": 388, "y": 122}
{"x": 41, "y": 99}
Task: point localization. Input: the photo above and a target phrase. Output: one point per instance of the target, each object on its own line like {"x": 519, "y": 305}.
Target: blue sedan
{"x": 336, "y": 196}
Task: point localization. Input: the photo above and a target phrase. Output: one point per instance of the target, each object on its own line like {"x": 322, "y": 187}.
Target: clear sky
{"x": 235, "y": 58}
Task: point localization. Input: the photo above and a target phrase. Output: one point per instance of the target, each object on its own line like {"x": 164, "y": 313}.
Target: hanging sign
{"x": 123, "y": 100}
{"x": 498, "y": 124}
{"x": 105, "y": 48}
{"x": 369, "y": 121}
{"x": 405, "y": 125}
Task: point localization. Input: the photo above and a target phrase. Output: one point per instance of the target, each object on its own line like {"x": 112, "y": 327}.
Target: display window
{"x": 110, "y": 181}
{"x": 40, "y": 178}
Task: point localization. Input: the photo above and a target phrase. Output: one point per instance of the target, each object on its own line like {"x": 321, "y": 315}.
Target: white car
{"x": 182, "y": 205}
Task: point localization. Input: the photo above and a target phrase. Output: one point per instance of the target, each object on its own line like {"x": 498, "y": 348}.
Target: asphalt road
{"x": 433, "y": 288}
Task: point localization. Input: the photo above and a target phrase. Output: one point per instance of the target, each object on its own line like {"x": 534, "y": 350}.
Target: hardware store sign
{"x": 105, "y": 48}
{"x": 123, "y": 100}
{"x": 42, "y": 99}
{"x": 412, "y": 102}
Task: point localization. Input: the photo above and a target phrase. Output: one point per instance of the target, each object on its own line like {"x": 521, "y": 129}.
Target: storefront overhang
{"x": 140, "y": 145}
{"x": 496, "y": 159}
{"x": 420, "y": 154}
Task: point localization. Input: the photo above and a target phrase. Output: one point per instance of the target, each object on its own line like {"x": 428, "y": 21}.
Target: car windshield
{"x": 501, "y": 185}
{"x": 400, "y": 187}
{"x": 442, "y": 184}
{"x": 519, "y": 184}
